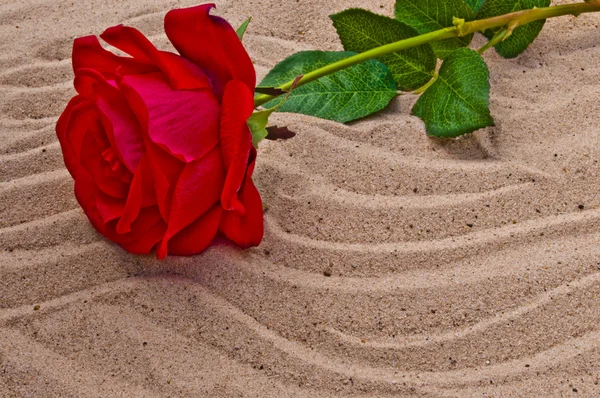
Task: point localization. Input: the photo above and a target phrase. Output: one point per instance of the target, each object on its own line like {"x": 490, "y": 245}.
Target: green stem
{"x": 421, "y": 90}
{"x": 511, "y": 21}
{"x": 498, "y": 37}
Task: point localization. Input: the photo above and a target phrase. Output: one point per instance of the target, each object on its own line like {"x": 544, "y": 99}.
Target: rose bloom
{"x": 158, "y": 144}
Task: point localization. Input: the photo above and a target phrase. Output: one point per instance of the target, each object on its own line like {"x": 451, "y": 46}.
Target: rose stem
{"x": 511, "y": 21}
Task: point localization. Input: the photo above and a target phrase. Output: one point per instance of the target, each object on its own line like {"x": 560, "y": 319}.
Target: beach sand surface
{"x": 393, "y": 264}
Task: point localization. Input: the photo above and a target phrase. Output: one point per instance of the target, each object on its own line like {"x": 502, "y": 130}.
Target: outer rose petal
{"x": 183, "y": 122}
{"x": 146, "y": 232}
{"x": 69, "y": 155}
{"x": 182, "y": 74}
{"x": 83, "y": 116}
{"x": 211, "y": 43}
{"x": 247, "y": 230}
{"x": 198, "y": 190}
{"x": 196, "y": 237}
{"x": 88, "y": 53}
{"x": 236, "y": 141}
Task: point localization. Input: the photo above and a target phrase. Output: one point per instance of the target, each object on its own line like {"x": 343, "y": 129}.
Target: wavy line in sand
{"x": 403, "y": 342}
{"x": 514, "y": 368}
{"x": 477, "y": 238}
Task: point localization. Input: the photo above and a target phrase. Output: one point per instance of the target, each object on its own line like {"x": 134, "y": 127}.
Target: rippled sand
{"x": 393, "y": 264}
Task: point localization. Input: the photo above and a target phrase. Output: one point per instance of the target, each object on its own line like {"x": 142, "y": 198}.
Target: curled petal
{"x": 247, "y": 230}
{"x": 196, "y": 237}
{"x": 165, "y": 172}
{"x": 146, "y": 231}
{"x": 211, "y": 43}
{"x": 181, "y": 73}
{"x": 70, "y": 156}
{"x": 197, "y": 191}
{"x": 141, "y": 194}
{"x": 88, "y": 53}
{"x": 236, "y": 141}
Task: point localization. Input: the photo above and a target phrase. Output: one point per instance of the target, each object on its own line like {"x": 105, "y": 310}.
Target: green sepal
{"x": 242, "y": 29}
{"x": 257, "y": 123}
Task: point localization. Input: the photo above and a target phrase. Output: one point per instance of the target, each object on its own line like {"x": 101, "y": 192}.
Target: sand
{"x": 393, "y": 265}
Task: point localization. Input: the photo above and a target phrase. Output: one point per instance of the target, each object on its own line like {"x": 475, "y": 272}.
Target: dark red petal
{"x": 88, "y": 53}
{"x": 181, "y": 73}
{"x": 211, "y": 43}
{"x": 197, "y": 191}
{"x": 99, "y": 207}
{"x": 141, "y": 194}
{"x": 247, "y": 230}
{"x": 185, "y": 123}
{"x": 145, "y": 243}
{"x": 236, "y": 141}
{"x": 106, "y": 180}
{"x": 196, "y": 237}
{"x": 165, "y": 173}
{"x": 71, "y": 158}
{"x": 109, "y": 208}
{"x": 131, "y": 41}
{"x": 146, "y": 231}
{"x": 83, "y": 116}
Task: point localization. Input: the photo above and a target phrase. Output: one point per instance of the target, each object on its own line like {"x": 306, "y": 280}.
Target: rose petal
{"x": 149, "y": 239}
{"x": 181, "y": 73}
{"x": 211, "y": 43}
{"x": 165, "y": 172}
{"x": 197, "y": 191}
{"x": 120, "y": 123}
{"x": 88, "y": 53}
{"x": 196, "y": 237}
{"x": 185, "y": 123}
{"x": 246, "y": 231}
{"x": 141, "y": 194}
{"x": 70, "y": 156}
{"x": 93, "y": 145}
{"x": 236, "y": 141}
{"x": 146, "y": 231}
{"x": 109, "y": 208}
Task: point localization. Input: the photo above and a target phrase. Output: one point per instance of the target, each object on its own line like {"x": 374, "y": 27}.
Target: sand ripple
{"x": 392, "y": 265}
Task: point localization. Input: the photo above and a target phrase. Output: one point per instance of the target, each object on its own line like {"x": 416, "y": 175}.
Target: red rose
{"x": 158, "y": 144}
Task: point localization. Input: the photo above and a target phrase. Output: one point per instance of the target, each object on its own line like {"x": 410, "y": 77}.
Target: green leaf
{"x": 475, "y": 4}
{"x": 257, "y": 123}
{"x": 242, "y": 29}
{"x": 524, "y": 35}
{"x": 343, "y": 96}
{"x": 458, "y": 102}
{"x": 361, "y": 30}
{"x": 429, "y": 15}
